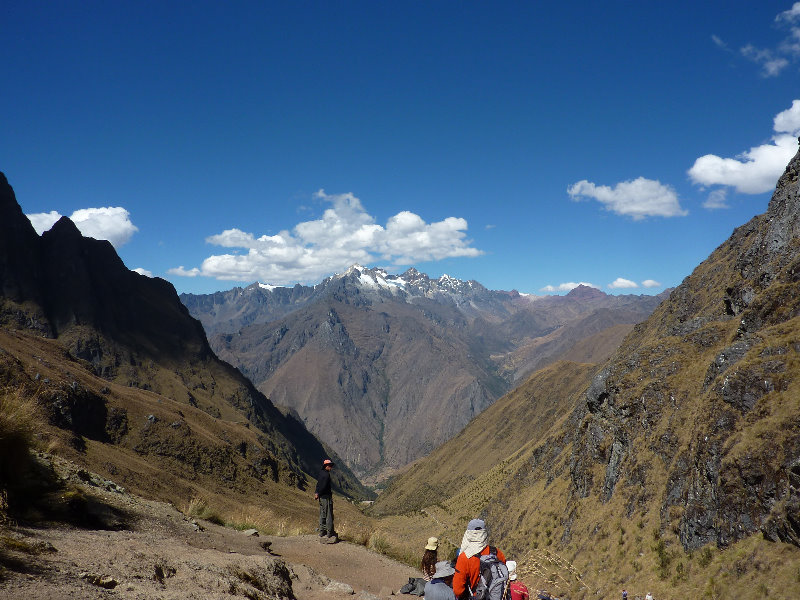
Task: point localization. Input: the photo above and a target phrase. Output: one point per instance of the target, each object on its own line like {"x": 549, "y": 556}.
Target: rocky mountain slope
{"x": 679, "y": 463}
{"x": 384, "y": 368}
{"x": 126, "y": 377}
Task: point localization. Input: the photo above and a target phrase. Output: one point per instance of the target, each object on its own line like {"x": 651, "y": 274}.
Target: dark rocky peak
{"x": 585, "y": 292}
{"x": 19, "y": 248}
{"x": 16, "y": 226}
{"x": 64, "y": 229}
{"x": 782, "y": 226}
{"x": 723, "y": 349}
{"x": 62, "y": 279}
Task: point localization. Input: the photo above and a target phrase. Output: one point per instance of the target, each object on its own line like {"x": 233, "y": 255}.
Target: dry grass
{"x": 199, "y": 508}
{"x": 265, "y": 521}
{"x": 20, "y": 418}
{"x": 588, "y": 547}
{"x": 351, "y": 525}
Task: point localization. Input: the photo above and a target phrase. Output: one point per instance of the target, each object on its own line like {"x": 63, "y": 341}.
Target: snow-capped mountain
{"x": 386, "y": 367}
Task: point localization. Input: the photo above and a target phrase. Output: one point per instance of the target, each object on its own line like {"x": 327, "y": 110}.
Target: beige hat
{"x": 433, "y": 543}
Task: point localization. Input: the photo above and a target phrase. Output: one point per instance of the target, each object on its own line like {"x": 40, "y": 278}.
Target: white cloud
{"x": 719, "y": 42}
{"x": 182, "y": 272}
{"x": 43, "y": 221}
{"x": 566, "y": 287}
{"x": 638, "y": 198}
{"x": 791, "y": 15}
{"x": 142, "y": 271}
{"x": 771, "y": 63}
{"x": 788, "y": 121}
{"x": 774, "y": 60}
{"x": 757, "y": 170}
{"x": 345, "y": 234}
{"x": 112, "y": 223}
{"x": 651, "y": 283}
{"x": 717, "y": 199}
{"x": 620, "y": 283}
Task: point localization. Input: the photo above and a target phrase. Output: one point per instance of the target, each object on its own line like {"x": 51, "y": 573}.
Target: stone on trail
{"x": 337, "y": 587}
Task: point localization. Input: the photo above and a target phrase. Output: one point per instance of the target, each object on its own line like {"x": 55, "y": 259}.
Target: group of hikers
{"x": 479, "y": 572}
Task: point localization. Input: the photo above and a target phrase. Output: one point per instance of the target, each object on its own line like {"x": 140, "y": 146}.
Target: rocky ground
{"x": 153, "y": 551}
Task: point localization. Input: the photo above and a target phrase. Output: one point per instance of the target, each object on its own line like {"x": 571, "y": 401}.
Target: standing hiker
{"x": 430, "y": 558}
{"x": 474, "y": 545}
{"x": 327, "y": 534}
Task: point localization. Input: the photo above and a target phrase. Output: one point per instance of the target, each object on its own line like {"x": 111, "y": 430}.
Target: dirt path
{"x": 161, "y": 554}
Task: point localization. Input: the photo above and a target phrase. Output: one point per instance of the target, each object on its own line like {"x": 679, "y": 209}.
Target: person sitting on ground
{"x": 440, "y": 587}
{"x": 517, "y": 589}
{"x": 430, "y": 558}
{"x": 474, "y": 544}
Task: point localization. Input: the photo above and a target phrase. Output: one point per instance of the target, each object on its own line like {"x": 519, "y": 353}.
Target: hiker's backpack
{"x": 493, "y": 581}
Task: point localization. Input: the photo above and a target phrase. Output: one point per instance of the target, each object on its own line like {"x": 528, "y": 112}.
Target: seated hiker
{"x": 474, "y": 546}
{"x": 430, "y": 558}
{"x": 415, "y": 586}
{"x": 517, "y": 589}
{"x": 440, "y": 586}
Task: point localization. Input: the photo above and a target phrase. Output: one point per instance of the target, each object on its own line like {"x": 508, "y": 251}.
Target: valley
{"x": 607, "y": 441}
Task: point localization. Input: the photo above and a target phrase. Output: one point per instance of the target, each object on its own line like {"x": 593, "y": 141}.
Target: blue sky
{"x": 526, "y": 145}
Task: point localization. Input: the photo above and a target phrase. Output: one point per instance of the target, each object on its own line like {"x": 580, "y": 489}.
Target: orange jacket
{"x": 468, "y": 571}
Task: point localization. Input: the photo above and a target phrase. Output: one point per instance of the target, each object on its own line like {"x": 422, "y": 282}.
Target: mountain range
{"x": 384, "y": 368}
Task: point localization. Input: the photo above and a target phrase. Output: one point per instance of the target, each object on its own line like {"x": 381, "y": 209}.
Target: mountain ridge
{"x": 130, "y": 330}
{"x": 385, "y": 367}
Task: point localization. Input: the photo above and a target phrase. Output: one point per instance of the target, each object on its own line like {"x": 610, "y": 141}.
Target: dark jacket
{"x": 324, "y": 483}
{"x": 437, "y": 589}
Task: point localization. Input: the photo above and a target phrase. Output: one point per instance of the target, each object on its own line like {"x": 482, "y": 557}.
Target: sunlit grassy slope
{"x": 675, "y": 471}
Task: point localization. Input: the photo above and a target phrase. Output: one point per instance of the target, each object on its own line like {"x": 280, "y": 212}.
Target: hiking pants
{"x": 326, "y": 516}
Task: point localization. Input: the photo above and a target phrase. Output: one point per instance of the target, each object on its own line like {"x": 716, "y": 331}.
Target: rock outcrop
{"x": 675, "y": 464}
{"x": 708, "y": 388}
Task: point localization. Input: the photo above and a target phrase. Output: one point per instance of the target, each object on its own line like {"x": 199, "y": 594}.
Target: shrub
{"x": 378, "y": 543}
{"x": 664, "y": 558}
{"x": 19, "y": 419}
{"x": 199, "y": 508}
{"x": 705, "y": 557}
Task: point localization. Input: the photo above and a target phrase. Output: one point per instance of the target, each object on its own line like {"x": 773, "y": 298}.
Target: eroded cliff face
{"x": 699, "y": 410}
